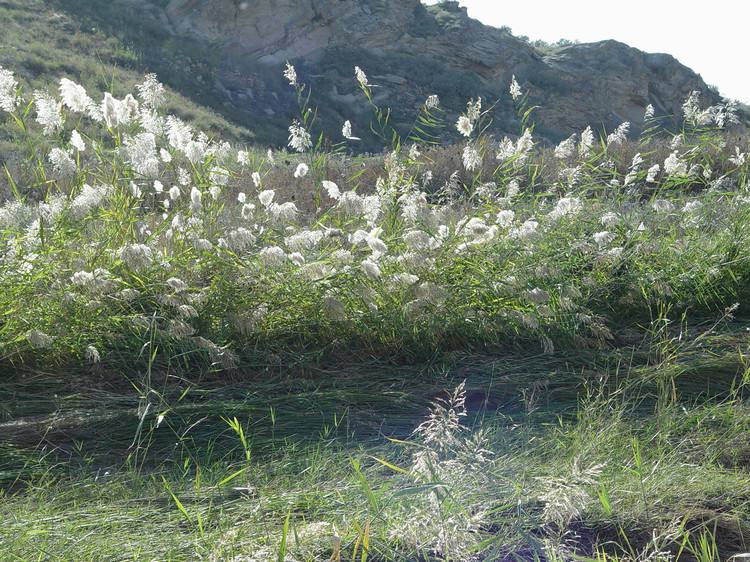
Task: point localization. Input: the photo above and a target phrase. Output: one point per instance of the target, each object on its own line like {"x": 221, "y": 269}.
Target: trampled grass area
{"x": 331, "y": 462}
{"x": 222, "y": 354}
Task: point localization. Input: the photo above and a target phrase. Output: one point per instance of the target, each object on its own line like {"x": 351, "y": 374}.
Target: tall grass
{"x": 139, "y": 240}
{"x": 611, "y": 273}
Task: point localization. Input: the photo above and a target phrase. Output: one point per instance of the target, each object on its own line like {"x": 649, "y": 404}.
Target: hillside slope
{"x": 43, "y": 40}
{"x": 413, "y": 50}
{"x": 227, "y": 55}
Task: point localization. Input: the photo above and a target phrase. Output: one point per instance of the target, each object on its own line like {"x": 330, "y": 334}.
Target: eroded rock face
{"x": 413, "y": 51}
{"x": 609, "y": 82}
{"x": 273, "y": 31}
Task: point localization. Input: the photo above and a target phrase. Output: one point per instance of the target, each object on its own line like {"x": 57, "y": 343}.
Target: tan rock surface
{"x": 413, "y": 51}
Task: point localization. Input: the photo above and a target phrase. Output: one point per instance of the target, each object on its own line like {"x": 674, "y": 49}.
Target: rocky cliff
{"x": 411, "y": 51}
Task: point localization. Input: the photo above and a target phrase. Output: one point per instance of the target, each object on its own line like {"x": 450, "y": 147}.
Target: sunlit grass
{"x": 223, "y": 353}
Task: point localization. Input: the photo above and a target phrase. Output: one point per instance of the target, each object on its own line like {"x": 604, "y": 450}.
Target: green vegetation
{"x": 620, "y": 469}
{"x": 222, "y": 354}
{"x": 44, "y": 40}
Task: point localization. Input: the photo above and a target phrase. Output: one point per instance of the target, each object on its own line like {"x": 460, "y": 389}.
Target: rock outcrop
{"x": 411, "y": 51}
